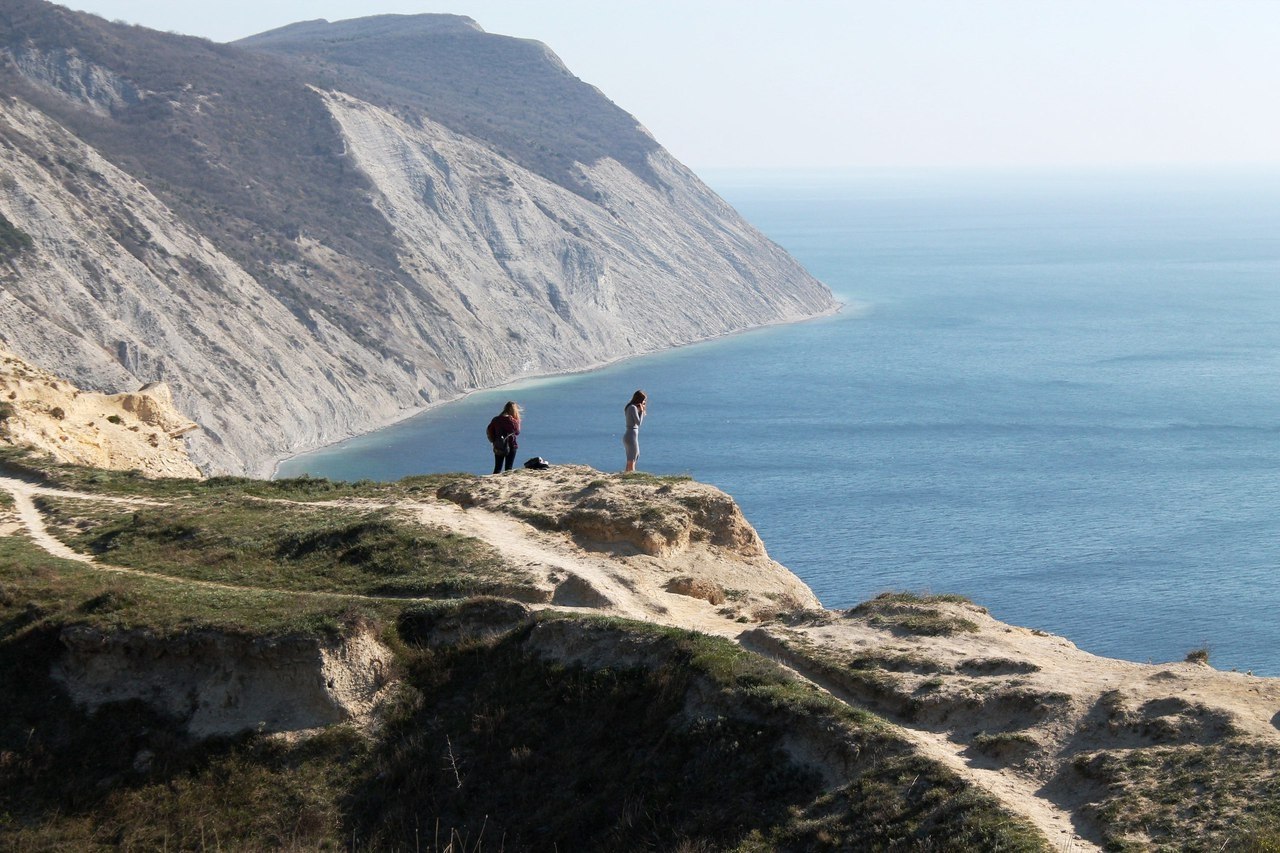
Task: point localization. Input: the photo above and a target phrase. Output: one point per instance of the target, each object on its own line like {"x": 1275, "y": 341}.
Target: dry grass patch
{"x": 242, "y": 541}
{"x": 1223, "y": 796}
{"x": 910, "y": 613}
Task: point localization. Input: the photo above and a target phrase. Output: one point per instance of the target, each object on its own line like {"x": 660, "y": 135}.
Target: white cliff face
{"x": 255, "y": 378}
{"x": 537, "y": 278}
{"x": 501, "y": 273}
{"x": 66, "y": 71}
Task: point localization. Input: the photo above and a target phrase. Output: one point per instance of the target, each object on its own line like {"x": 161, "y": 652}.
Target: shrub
{"x": 13, "y": 240}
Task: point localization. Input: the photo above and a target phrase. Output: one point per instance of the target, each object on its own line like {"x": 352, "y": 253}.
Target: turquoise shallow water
{"x": 1057, "y": 395}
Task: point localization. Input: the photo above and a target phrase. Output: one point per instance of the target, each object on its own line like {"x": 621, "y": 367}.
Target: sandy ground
{"x": 141, "y": 430}
{"x": 997, "y": 677}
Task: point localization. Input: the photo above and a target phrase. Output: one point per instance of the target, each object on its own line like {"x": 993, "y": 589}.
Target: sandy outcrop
{"x": 220, "y": 684}
{"x": 1071, "y": 739}
{"x": 658, "y": 516}
{"x": 663, "y": 543}
{"x": 139, "y": 431}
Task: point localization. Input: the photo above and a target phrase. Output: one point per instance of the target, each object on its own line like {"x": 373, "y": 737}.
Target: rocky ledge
{"x": 134, "y": 431}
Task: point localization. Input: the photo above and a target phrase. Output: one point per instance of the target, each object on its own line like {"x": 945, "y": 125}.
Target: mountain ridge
{"x": 249, "y": 226}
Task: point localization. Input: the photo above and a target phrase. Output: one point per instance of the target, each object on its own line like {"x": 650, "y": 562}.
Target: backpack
{"x": 501, "y": 433}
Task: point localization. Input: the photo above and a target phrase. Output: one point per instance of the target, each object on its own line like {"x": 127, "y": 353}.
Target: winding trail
{"x": 556, "y": 557}
{"x": 24, "y": 493}
{"x": 29, "y": 517}
{"x": 1016, "y": 793}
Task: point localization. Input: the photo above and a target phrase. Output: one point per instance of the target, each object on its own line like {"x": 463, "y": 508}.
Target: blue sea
{"x": 1056, "y": 394}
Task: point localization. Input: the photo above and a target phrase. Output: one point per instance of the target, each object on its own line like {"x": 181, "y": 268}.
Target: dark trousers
{"x": 500, "y": 461}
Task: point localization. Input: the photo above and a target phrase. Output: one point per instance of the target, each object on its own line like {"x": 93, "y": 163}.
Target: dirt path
{"x": 23, "y": 494}
{"x": 30, "y": 519}
{"x": 1016, "y": 793}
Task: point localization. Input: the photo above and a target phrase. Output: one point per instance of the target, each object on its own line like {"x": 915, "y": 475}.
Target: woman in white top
{"x": 631, "y": 438}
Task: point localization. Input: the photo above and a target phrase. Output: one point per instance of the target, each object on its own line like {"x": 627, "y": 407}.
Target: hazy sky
{"x": 880, "y": 83}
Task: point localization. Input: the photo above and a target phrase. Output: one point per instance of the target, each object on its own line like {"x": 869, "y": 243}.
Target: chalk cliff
{"x": 317, "y": 230}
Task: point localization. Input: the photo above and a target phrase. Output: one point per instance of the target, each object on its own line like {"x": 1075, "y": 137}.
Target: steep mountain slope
{"x": 322, "y": 228}
{"x": 513, "y": 94}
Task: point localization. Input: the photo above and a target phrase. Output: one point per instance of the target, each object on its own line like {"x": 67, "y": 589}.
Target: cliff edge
{"x": 469, "y": 591}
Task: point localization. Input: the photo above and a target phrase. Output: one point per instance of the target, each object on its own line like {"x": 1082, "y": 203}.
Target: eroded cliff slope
{"x": 347, "y": 220}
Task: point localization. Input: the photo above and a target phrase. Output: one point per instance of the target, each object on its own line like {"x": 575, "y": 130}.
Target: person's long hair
{"x": 511, "y": 410}
{"x": 637, "y": 399}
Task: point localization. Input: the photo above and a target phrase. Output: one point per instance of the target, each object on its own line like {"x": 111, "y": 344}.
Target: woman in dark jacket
{"x": 502, "y": 433}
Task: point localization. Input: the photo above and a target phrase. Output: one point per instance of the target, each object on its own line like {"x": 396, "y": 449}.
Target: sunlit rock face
{"x": 312, "y": 232}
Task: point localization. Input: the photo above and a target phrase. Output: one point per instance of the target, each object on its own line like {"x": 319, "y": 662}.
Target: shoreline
{"x": 270, "y": 469}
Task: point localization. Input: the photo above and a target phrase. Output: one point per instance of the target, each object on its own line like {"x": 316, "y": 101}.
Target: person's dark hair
{"x": 637, "y": 399}
{"x": 511, "y": 409}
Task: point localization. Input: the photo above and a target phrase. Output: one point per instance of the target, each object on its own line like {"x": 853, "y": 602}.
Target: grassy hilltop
{"x": 491, "y": 739}
{"x": 555, "y": 660}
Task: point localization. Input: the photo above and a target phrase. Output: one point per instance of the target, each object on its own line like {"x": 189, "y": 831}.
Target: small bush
{"x": 13, "y": 240}
{"x": 1003, "y": 744}
{"x": 1198, "y": 656}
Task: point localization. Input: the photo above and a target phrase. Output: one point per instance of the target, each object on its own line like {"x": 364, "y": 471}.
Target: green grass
{"x": 1003, "y": 745}
{"x": 1223, "y": 796}
{"x": 495, "y": 742}
{"x": 235, "y": 539}
{"x": 133, "y": 484}
{"x": 641, "y": 477}
{"x": 480, "y": 755}
{"x": 906, "y": 597}
{"x": 898, "y": 662}
{"x": 36, "y": 588}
